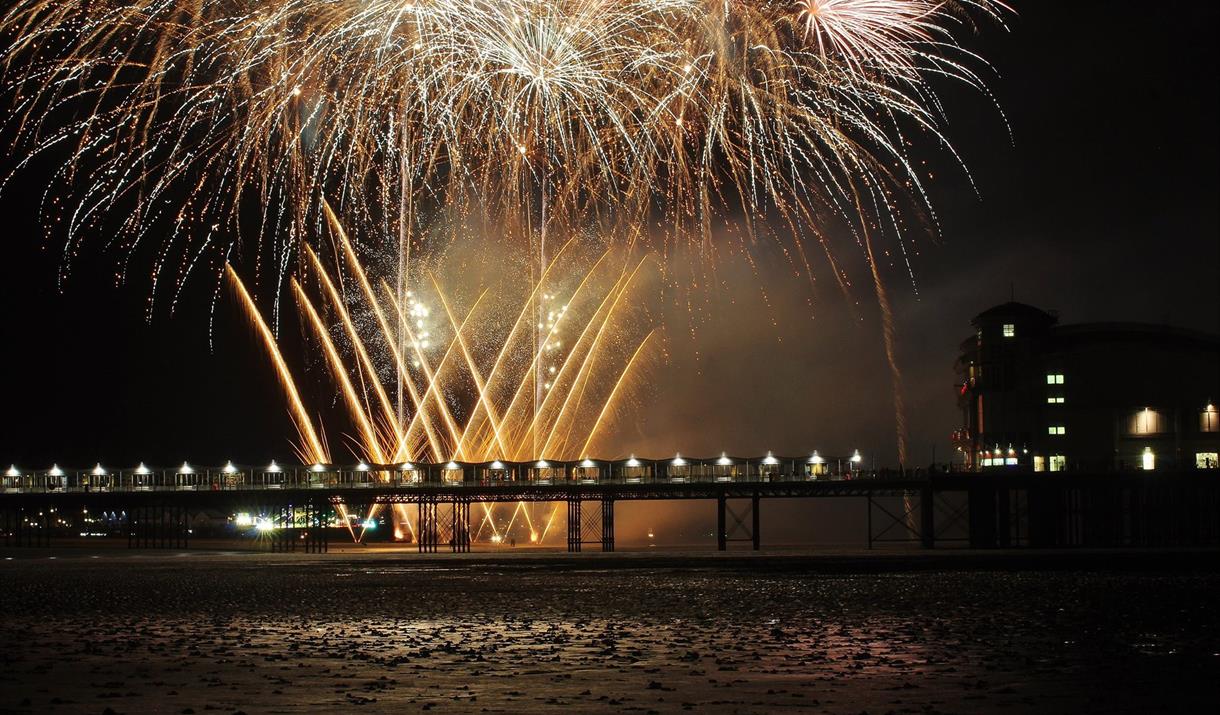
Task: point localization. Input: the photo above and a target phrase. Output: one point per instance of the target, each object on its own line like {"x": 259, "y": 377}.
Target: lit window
{"x": 1039, "y": 463}
{"x": 1058, "y": 462}
{"x": 1010, "y": 330}
{"x": 1149, "y": 459}
{"x": 1146, "y": 421}
{"x": 1207, "y": 460}
{"x": 1055, "y": 400}
{"x": 1010, "y": 461}
{"x": 1057, "y": 430}
{"x": 1209, "y": 419}
{"x": 1054, "y": 379}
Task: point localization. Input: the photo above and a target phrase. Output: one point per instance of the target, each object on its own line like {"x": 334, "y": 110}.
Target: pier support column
{"x": 607, "y": 523}
{"x": 755, "y": 534}
{"x": 428, "y": 533}
{"x": 722, "y": 538}
{"x": 460, "y": 542}
{"x": 575, "y": 519}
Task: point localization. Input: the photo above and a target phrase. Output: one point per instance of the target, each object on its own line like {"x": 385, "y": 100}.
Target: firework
{"x": 181, "y": 122}
{"x": 553, "y": 115}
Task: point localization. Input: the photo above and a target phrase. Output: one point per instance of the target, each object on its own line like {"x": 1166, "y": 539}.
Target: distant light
{"x": 633, "y": 462}
{"x": 678, "y": 461}
{"x": 816, "y": 458}
{"x": 318, "y": 468}
{"x": 724, "y": 460}
{"x": 452, "y": 465}
{"x": 264, "y": 524}
{"x": 1149, "y": 459}
{"x": 770, "y": 459}
{"x": 542, "y": 464}
{"x": 370, "y": 524}
{"x": 243, "y": 519}
{"x": 12, "y": 471}
{"x": 588, "y": 463}
{"x": 185, "y": 469}
{"x": 229, "y": 468}
{"x": 362, "y": 467}
{"x": 56, "y": 471}
{"x": 142, "y": 470}
{"x": 856, "y": 458}
{"x": 273, "y": 467}
{"x": 495, "y": 538}
{"x": 408, "y": 467}
{"x": 99, "y": 471}
{"x": 497, "y": 464}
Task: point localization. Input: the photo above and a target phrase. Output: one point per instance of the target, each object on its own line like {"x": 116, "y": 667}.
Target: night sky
{"x": 1102, "y": 205}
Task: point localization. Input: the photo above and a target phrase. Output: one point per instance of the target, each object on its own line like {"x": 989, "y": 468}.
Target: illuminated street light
{"x": 229, "y": 468}
{"x": 142, "y": 470}
{"x": 185, "y": 469}
{"x": 856, "y": 458}
{"x": 99, "y": 471}
{"x": 273, "y": 468}
{"x": 362, "y": 467}
{"x": 678, "y": 461}
{"x": 56, "y": 471}
{"x": 770, "y": 459}
{"x": 724, "y": 460}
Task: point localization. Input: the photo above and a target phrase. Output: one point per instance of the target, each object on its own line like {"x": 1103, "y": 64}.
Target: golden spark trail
{"x": 584, "y": 450}
{"x": 371, "y": 442}
{"x": 366, "y": 362}
{"x": 315, "y": 452}
{"x": 400, "y": 365}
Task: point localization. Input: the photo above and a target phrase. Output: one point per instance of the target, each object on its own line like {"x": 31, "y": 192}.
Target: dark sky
{"x": 1103, "y": 206}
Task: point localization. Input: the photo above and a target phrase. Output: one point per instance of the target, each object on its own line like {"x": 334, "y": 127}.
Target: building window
{"x": 1058, "y": 462}
{"x": 1148, "y": 459}
{"x": 1010, "y": 330}
{"x": 1054, "y": 378}
{"x": 1146, "y": 421}
{"x": 1055, "y": 400}
{"x": 1207, "y": 460}
{"x": 1209, "y": 419}
{"x": 1039, "y": 463}
{"x": 1057, "y": 430}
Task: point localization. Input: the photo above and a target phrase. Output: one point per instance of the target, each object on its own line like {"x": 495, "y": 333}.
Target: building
{"x": 1041, "y": 396}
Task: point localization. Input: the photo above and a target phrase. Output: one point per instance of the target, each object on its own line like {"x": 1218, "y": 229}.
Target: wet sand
{"x": 130, "y": 632}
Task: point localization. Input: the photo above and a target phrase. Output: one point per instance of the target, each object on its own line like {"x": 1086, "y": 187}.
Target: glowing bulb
{"x": 678, "y": 461}
{"x": 542, "y": 464}
{"x": 452, "y": 465}
{"x": 12, "y": 471}
{"x": 770, "y": 459}
{"x": 273, "y": 467}
{"x": 98, "y": 471}
{"x": 142, "y": 469}
{"x": 633, "y": 462}
{"x": 318, "y": 467}
{"x": 588, "y": 463}
{"x": 229, "y": 468}
{"x": 724, "y": 460}
{"x": 816, "y": 458}
{"x": 497, "y": 464}
{"x": 856, "y": 458}
{"x": 185, "y": 469}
